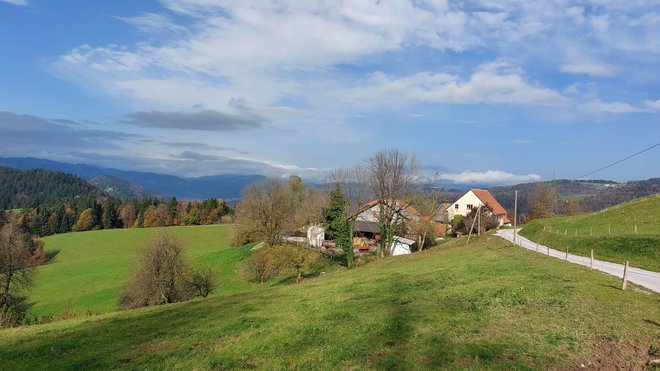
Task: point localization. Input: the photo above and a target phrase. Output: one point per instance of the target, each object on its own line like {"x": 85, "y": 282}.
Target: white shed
{"x": 315, "y": 235}
{"x": 400, "y": 246}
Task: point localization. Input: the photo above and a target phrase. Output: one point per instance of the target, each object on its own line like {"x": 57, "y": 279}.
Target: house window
{"x": 469, "y": 206}
{"x": 456, "y": 206}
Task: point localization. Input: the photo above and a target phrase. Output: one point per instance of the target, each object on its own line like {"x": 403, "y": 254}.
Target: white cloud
{"x": 490, "y": 176}
{"x": 152, "y": 22}
{"x": 495, "y": 82}
{"x": 588, "y": 69}
{"x": 611, "y": 107}
{"x": 654, "y": 104}
{"x": 16, "y": 2}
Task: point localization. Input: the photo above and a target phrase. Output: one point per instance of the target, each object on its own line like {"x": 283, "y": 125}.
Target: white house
{"x": 473, "y": 199}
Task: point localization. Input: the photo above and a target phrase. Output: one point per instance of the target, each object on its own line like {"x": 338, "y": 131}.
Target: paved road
{"x": 641, "y": 277}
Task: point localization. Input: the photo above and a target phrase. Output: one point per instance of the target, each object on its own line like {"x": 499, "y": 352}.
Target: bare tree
{"x": 390, "y": 176}
{"x": 543, "y": 200}
{"x": 267, "y": 209}
{"x": 16, "y": 273}
{"x": 310, "y": 206}
{"x": 428, "y": 203}
{"x": 354, "y": 187}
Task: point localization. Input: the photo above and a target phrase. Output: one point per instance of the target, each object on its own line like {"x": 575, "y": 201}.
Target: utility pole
{"x": 515, "y": 217}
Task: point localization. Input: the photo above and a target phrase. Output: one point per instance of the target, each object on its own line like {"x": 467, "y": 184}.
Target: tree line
{"x": 92, "y": 213}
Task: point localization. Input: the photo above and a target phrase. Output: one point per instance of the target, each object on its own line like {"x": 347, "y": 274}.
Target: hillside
{"x": 88, "y": 269}
{"x": 488, "y": 305}
{"x": 226, "y": 186}
{"x": 120, "y": 188}
{"x": 23, "y": 188}
{"x": 594, "y": 195}
{"x": 610, "y": 233}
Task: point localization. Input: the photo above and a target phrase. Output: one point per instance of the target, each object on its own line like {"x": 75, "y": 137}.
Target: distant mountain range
{"x": 226, "y": 186}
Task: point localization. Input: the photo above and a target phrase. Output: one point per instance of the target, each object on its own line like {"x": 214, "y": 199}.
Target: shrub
{"x": 270, "y": 262}
{"x": 203, "y": 281}
{"x": 165, "y": 276}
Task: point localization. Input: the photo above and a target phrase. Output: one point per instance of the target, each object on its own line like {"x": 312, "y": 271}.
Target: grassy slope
{"x": 487, "y": 305}
{"x": 641, "y": 249}
{"x": 90, "y": 268}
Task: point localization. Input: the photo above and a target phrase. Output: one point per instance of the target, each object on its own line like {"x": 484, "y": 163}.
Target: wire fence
{"x": 645, "y": 278}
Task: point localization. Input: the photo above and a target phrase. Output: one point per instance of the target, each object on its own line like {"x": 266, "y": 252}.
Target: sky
{"x": 480, "y": 91}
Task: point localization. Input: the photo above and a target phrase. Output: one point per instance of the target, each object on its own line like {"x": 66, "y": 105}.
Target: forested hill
{"x": 24, "y": 188}
{"x": 593, "y": 195}
{"x": 120, "y": 188}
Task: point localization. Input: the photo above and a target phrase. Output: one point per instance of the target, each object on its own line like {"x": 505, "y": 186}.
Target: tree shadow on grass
{"x": 50, "y": 255}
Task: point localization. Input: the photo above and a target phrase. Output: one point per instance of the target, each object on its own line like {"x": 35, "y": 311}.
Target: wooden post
{"x": 548, "y": 250}
{"x": 479, "y": 221}
{"x": 537, "y": 247}
{"x": 566, "y": 254}
{"x": 635, "y": 228}
{"x": 609, "y": 229}
{"x": 543, "y": 228}
{"x": 565, "y": 231}
{"x": 470, "y": 233}
{"x": 591, "y": 262}
{"x": 591, "y": 230}
{"x": 625, "y": 277}
{"x": 515, "y": 216}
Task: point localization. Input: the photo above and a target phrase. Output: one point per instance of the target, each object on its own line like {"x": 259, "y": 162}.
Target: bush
{"x": 165, "y": 276}
{"x": 270, "y": 262}
{"x": 203, "y": 281}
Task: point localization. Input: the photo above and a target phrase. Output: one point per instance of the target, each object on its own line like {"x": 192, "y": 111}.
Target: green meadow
{"x": 610, "y": 233}
{"x": 87, "y": 270}
{"x": 488, "y": 305}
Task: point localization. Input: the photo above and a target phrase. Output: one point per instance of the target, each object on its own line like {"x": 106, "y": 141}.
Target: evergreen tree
{"x": 110, "y": 217}
{"x": 339, "y": 227}
{"x": 97, "y": 216}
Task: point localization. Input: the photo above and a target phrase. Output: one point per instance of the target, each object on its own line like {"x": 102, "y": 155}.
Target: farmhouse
{"x": 367, "y": 228}
{"x": 475, "y": 198}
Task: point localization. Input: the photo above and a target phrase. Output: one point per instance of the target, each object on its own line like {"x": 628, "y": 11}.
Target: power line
{"x": 614, "y": 163}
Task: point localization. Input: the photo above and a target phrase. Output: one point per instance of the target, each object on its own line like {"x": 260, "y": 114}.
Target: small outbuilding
{"x": 401, "y": 246}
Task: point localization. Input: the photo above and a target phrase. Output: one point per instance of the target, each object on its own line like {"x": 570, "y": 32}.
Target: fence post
{"x": 591, "y": 230}
{"x": 565, "y": 231}
{"x": 625, "y": 277}
{"x": 609, "y": 229}
{"x": 566, "y": 253}
{"x": 635, "y": 228}
{"x": 537, "y": 247}
{"x": 548, "y": 250}
{"x": 591, "y": 262}
{"x": 543, "y": 228}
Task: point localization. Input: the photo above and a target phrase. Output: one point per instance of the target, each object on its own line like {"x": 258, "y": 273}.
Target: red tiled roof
{"x": 491, "y": 203}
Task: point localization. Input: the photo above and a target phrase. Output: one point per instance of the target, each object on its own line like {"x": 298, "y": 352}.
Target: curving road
{"x": 641, "y": 277}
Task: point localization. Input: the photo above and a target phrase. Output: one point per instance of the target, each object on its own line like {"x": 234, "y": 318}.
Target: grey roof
{"x": 364, "y": 226}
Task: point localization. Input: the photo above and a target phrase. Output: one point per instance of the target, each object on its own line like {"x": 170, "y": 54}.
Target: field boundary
{"x": 641, "y": 277}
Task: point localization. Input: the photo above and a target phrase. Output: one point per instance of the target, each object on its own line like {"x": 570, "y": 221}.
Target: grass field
{"x": 488, "y": 305}
{"x": 610, "y": 233}
{"x": 89, "y": 269}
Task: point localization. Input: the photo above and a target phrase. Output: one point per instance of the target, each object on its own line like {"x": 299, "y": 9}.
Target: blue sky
{"x": 481, "y": 91}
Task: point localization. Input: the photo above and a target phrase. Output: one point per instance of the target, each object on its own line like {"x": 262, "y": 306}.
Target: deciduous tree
{"x": 390, "y": 175}
{"x": 16, "y": 273}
